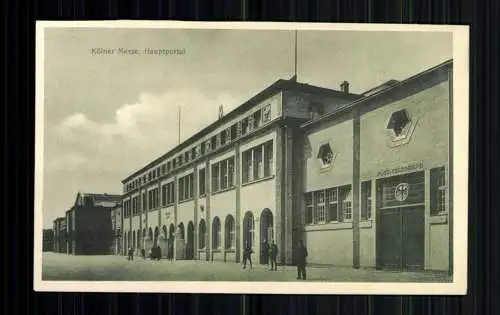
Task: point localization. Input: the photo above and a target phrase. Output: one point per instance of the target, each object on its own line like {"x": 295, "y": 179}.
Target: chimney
{"x": 344, "y": 87}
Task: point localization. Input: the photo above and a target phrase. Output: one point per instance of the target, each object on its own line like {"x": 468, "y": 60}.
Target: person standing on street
{"x": 301, "y": 261}
{"x": 247, "y": 255}
{"x": 130, "y": 253}
{"x": 273, "y": 254}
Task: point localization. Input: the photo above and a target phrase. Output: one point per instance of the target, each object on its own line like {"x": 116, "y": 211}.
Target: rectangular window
{"x": 244, "y": 126}
{"x": 258, "y": 169}
{"x": 268, "y": 159}
{"x": 309, "y": 208}
{"x": 257, "y": 116}
{"x": 202, "y": 148}
{"x": 247, "y": 166}
{"x": 215, "y": 177}
{"x": 230, "y": 172}
{"x": 164, "y": 195}
{"x": 201, "y": 181}
{"x": 366, "y": 200}
{"x": 213, "y": 143}
{"x": 170, "y": 193}
{"x": 181, "y": 189}
{"x": 320, "y": 206}
{"x": 223, "y": 137}
{"x": 347, "y": 203}
{"x": 223, "y": 175}
{"x": 234, "y": 130}
{"x": 193, "y": 153}
{"x": 438, "y": 191}
{"x": 333, "y": 204}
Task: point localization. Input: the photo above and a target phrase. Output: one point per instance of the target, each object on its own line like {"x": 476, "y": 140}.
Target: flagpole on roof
{"x": 295, "y": 56}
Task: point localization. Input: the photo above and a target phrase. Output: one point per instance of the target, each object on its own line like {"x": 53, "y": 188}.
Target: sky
{"x": 106, "y": 116}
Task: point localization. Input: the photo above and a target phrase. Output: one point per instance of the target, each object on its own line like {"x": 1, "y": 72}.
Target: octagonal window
{"x": 399, "y": 120}
{"x": 325, "y": 154}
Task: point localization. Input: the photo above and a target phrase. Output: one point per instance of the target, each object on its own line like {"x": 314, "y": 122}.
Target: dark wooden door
{"x": 413, "y": 238}
{"x": 400, "y": 238}
{"x": 389, "y": 239}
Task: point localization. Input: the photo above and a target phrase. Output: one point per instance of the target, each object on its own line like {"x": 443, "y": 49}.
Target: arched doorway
{"x": 216, "y": 236}
{"x": 248, "y": 230}
{"x": 266, "y": 234}
{"x": 180, "y": 242}
{"x": 190, "y": 241}
{"x": 171, "y": 240}
{"x": 163, "y": 240}
{"x": 202, "y": 234}
{"x": 229, "y": 229}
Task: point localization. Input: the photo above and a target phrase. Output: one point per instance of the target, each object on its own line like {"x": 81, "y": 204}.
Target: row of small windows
{"x": 335, "y": 204}
{"x": 252, "y": 122}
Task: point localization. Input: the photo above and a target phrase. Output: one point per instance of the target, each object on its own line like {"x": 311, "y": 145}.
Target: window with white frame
{"x": 223, "y": 175}
{"x": 320, "y": 206}
{"x": 186, "y": 187}
{"x": 333, "y": 204}
{"x": 258, "y": 162}
{"x": 229, "y": 228}
{"x": 438, "y": 190}
{"x": 347, "y": 203}
{"x": 328, "y": 205}
{"x": 366, "y": 200}
{"x": 268, "y": 158}
{"x": 201, "y": 182}
{"x": 309, "y": 208}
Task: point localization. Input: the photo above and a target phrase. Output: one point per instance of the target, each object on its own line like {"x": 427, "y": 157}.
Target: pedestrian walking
{"x": 143, "y": 253}
{"x": 130, "y": 254}
{"x": 273, "y": 254}
{"x": 247, "y": 256}
{"x": 301, "y": 261}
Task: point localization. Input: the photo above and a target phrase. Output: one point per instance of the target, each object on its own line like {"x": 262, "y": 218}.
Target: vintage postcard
{"x": 284, "y": 158}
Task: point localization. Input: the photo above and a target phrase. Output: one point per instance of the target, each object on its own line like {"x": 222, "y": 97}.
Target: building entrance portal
{"x": 401, "y": 223}
{"x": 266, "y": 235}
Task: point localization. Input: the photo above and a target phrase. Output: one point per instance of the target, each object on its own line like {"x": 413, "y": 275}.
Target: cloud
{"x": 66, "y": 162}
{"x": 138, "y": 132}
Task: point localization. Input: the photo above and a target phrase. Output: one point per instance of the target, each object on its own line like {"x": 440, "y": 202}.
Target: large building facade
{"x": 361, "y": 179}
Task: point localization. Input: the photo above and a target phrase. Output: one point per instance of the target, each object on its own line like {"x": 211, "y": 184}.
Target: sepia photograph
{"x": 276, "y": 158}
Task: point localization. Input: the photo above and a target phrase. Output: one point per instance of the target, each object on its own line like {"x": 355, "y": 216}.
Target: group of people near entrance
{"x": 270, "y": 254}
{"x": 153, "y": 254}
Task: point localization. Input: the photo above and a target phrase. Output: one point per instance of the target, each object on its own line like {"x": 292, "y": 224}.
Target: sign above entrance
{"x": 401, "y": 192}
{"x": 402, "y": 169}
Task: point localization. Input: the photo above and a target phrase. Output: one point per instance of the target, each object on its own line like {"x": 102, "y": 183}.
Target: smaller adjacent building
{"x": 88, "y": 224}
{"x": 59, "y": 228}
{"x": 116, "y": 225}
{"x": 48, "y": 240}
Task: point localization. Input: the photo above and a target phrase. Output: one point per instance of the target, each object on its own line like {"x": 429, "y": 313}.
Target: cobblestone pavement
{"x": 116, "y": 268}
